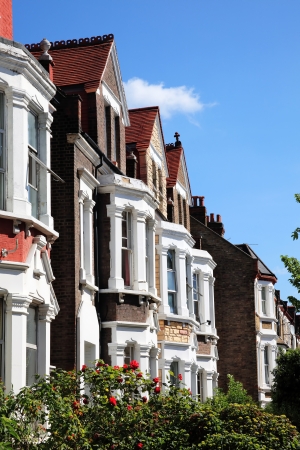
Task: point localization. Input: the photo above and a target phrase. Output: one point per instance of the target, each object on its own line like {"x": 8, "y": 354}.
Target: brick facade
{"x": 234, "y": 307}
{"x": 174, "y": 332}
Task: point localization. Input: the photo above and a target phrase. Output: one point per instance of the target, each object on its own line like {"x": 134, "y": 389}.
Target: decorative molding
{"x": 17, "y": 303}
{"x": 88, "y": 178}
{"x": 114, "y": 56}
{"x": 47, "y": 266}
{"x": 84, "y": 147}
{"x": 14, "y": 265}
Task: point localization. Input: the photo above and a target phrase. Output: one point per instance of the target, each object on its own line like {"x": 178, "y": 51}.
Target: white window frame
{"x": 128, "y": 240}
{"x": 129, "y": 354}
{"x": 200, "y": 386}
{"x": 264, "y": 300}
{"x": 174, "y": 367}
{"x": 267, "y": 365}
{"x": 171, "y": 291}
{"x": 147, "y": 252}
{"x": 2, "y": 166}
{"x": 196, "y": 296}
{"x": 30, "y": 345}
{"x": 33, "y": 168}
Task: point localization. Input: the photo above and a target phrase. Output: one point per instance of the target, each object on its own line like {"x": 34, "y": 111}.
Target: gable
{"x": 157, "y": 147}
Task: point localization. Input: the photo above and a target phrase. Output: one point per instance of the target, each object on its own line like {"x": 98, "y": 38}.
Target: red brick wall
{"x": 234, "y": 308}
{"x": 65, "y": 255}
{"x": 6, "y": 24}
{"x": 8, "y": 240}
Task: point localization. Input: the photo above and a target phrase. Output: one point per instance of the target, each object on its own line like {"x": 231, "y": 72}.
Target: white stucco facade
{"x": 27, "y": 300}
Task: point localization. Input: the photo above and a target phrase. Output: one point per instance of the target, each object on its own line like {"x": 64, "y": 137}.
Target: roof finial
{"x": 177, "y": 136}
{"x": 45, "y": 46}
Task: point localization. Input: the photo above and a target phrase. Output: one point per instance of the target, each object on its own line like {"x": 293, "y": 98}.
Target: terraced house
{"x": 129, "y": 283}
{"x": 28, "y": 303}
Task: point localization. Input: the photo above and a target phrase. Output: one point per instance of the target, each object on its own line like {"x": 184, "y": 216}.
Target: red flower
{"x": 179, "y": 377}
{"x": 85, "y": 401}
{"x": 139, "y": 375}
{"x": 116, "y": 367}
{"x": 134, "y": 364}
{"x": 75, "y": 405}
{"x": 139, "y": 445}
{"x": 157, "y": 390}
{"x": 156, "y": 380}
{"x": 144, "y": 399}
{"x": 97, "y": 371}
{"x": 129, "y": 407}
{"x": 119, "y": 380}
{"x": 125, "y": 366}
{"x": 113, "y": 401}
{"x": 99, "y": 364}
{"x": 84, "y": 367}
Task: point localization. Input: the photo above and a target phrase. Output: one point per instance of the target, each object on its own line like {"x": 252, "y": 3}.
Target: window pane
{"x": 128, "y": 354}
{"x": 263, "y": 307}
{"x": 1, "y": 150}
{"x": 196, "y": 310}
{"x": 170, "y": 260}
{"x": 32, "y": 197}
{"x": 1, "y": 190}
{"x": 263, "y": 293}
{"x": 171, "y": 281}
{"x": 31, "y": 326}
{"x": 32, "y": 130}
{"x": 31, "y": 368}
{"x": 1, "y": 111}
{"x": 171, "y": 302}
{"x": 126, "y": 266}
{"x": 174, "y": 369}
{"x": 32, "y": 173}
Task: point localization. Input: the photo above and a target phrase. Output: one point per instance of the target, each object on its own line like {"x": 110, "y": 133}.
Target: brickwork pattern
{"x": 106, "y": 338}
{"x": 174, "y": 332}
{"x": 65, "y": 256}
{"x": 234, "y": 307}
{"x": 8, "y": 240}
{"x": 129, "y": 311}
{"x": 6, "y": 22}
{"x": 204, "y": 348}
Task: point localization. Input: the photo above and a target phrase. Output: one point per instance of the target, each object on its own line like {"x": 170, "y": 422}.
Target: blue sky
{"x": 233, "y": 67}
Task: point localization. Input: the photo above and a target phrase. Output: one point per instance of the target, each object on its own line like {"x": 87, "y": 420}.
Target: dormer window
{"x": 2, "y": 164}
{"x": 32, "y": 164}
{"x": 126, "y": 247}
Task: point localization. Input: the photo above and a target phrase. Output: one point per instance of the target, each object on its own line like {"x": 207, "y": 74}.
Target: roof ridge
{"x": 144, "y": 108}
{"x": 70, "y": 43}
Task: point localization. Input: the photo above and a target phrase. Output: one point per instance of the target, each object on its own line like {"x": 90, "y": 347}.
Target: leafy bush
{"x": 118, "y": 408}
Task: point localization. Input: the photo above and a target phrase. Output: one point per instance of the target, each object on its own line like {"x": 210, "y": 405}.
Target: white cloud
{"x": 171, "y": 100}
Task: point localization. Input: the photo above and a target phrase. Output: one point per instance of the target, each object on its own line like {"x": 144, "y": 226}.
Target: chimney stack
{"x": 6, "y": 23}
{"x": 198, "y": 210}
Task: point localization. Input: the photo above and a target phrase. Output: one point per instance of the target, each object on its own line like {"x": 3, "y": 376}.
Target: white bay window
{"x": 31, "y": 345}
{"x": 172, "y": 291}
{"x": 32, "y": 163}
{"x": 127, "y": 248}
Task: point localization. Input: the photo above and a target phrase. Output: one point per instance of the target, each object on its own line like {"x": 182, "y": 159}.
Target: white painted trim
{"x": 87, "y": 178}
{"x": 181, "y": 190}
{"x": 30, "y": 220}
{"x": 114, "y": 56}
{"x": 186, "y": 179}
{"x": 84, "y": 147}
{"x": 157, "y": 122}
{"x": 111, "y": 99}
{"x": 124, "y": 324}
{"x": 14, "y": 265}
{"x": 131, "y": 292}
{"x": 155, "y": 156}
{"x": 47, "y": 265}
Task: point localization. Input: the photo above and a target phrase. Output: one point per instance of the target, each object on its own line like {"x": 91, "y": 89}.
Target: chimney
{"x": 45, "y": 59}
{"x": 217, "y": 226}
{"x": 6, "y": 24}
{"x": 198, "y": 210}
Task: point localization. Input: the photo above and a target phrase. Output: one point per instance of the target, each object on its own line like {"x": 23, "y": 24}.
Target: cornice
{"x": 88, "y": 178}
{"x": 167, "y": 229}
{"x": 119, "y": 323}
{"x": 31, "y": 223}
{"x": 14, "y": 265}
{"x": 82, "y": 145}
{"x": 17, "y": 60}
{"x": 47, "y": 266}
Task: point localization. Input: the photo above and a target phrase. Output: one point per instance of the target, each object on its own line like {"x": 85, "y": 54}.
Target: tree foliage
{"x": 286, "y": 386}
{"x": 105, "y": 407}
{"x": 293, "y": 266}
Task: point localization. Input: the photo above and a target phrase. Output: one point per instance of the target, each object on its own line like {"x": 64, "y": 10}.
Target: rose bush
{"x": 105, "y": 407}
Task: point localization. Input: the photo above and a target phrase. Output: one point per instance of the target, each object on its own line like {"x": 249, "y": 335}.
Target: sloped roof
{"x": 141, "y": 126}
{"x": 78, "y": 62}
{"x": 264, "y": 270}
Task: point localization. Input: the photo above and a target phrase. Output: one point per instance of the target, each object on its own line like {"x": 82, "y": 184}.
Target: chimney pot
{"x": 212, "y": 217}
{"x": 207, "y": 218}
{"x": 219, "y": 218}
{"x": 201, "y": 201}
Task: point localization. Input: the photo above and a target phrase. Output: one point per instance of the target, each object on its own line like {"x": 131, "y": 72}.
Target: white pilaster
{"x": 151, "y": 243}
{"x": 181, "y": 282}
{"x": 187, "y": 374}
{"x": 154, "y": 352}
{"x": 88, "y": 206}
{"x": 144, "y": 354}
{"x": 82, "y": 197}
{"x": 163, "y": 253}
{"x": 139, "y": 237}
{"x": 15, "y": 337}
{"x": 209, "y": 385}
{"x": 46, "y": 314}
{"x": 116, "y": 351}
